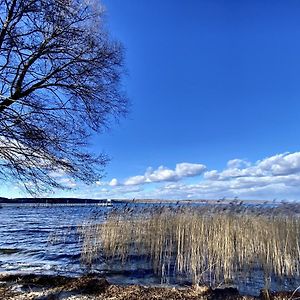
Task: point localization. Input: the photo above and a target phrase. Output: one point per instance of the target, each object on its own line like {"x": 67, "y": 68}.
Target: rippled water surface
{"x": 44, "y": 239}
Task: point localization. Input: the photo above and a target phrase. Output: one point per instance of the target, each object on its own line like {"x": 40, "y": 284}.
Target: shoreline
{"x": 55, "y": 287}
{"x": 85, "y": 201}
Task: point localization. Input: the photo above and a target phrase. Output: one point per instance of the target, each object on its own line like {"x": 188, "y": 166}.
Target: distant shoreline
{"x": 40, "y": 200}
{"x": 51, "y": 201}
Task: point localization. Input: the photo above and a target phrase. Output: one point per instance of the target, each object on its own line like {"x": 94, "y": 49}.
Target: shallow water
{"x": 45, "y": 240}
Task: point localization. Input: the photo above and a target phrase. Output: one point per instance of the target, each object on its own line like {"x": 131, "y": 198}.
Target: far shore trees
{"x": 60, "y": 76}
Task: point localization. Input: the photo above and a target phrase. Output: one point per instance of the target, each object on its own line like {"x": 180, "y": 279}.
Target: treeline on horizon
{"x": 45, "y": 200}
{"x": 50, "y": 200}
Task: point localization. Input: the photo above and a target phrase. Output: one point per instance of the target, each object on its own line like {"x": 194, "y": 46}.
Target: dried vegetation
{"x": 201, "y": 244}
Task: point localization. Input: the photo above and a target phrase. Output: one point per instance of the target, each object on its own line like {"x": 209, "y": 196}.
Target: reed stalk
{"x": 210, "y": 244}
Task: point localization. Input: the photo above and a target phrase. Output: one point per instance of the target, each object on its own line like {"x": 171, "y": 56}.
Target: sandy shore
{"x": 43, "y": 287}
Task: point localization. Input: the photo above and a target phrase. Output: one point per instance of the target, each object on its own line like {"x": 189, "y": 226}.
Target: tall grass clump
{"x": 203, "y": 244}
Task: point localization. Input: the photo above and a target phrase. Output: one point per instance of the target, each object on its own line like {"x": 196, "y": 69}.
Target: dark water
{"x": 45, "y": 240}
{"x": 41, "y": 239}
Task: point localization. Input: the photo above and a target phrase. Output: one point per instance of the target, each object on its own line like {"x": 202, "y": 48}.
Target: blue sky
{"x": 215, "y": 90}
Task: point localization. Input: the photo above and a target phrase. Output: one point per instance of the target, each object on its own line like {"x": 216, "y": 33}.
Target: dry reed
{"x": 204, "y": 244}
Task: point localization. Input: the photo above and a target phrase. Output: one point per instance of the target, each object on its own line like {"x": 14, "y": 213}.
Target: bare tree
{"x": 59, "y": 81}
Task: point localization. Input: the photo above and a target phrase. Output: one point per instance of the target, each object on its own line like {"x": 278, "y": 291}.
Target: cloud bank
{"x": 277, "y": 176}
{"x": 162, "y": 174}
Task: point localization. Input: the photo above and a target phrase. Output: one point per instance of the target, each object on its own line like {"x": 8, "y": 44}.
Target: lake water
{"x": 41, "y": 239}
{"x": 45, "y": 240}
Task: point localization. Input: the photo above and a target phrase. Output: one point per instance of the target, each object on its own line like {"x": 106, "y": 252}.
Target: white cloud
{"x": 162, "y": 174}
{"x": 109, "y": 192}
{"x": 56, "y": 174}
{"x": 135, "y": 180}
{"x": 281, "y": 164}
{"x": 114, "y": 182}
{"x": 68, "y": 182}
{"x": 61, "y": 177}
{"x": 237, "y": 164}
{"x": 188, "y": 169}
{"x": 213, "y": 175}
{"x": 100, "y": 183}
